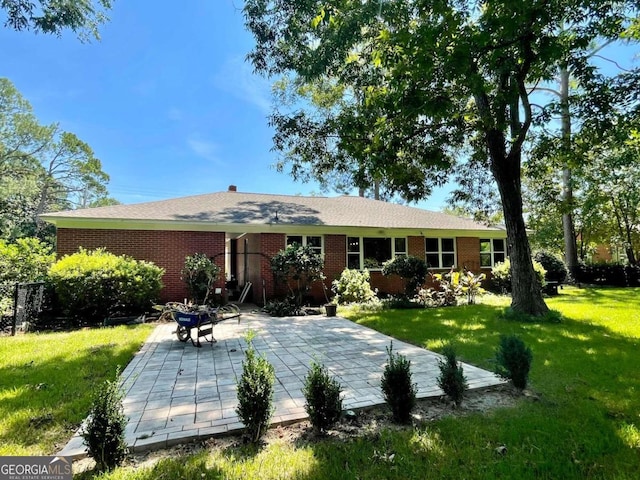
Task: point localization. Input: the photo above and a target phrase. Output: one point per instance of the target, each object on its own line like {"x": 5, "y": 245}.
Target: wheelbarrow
{"x": 195, "y": 323}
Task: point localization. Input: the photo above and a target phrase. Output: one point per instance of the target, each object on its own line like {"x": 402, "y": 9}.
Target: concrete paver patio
{"x": 176, "y": 392}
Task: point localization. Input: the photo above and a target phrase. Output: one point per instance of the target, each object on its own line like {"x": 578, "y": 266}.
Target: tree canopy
{"x": 53, "y": 16}
{"x": 42, "y": 168}
{"x": 422, "y": 82}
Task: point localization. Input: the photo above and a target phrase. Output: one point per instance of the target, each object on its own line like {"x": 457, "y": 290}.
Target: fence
{"x": 20, "y": 304}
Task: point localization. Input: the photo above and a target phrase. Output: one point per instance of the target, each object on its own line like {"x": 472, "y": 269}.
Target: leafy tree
{"x": 53, "y": 16}
{"x": 200, "y": 274}
{"x": 42, "y": 168}
{"x": 26, "y": 260}
{"x": 298, "y": 266}
{"x": 420, "y": 82}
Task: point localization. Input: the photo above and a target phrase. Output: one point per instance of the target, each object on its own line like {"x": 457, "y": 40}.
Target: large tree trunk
{"x": 526, "y": 292}
{"x": 568, "y": 229}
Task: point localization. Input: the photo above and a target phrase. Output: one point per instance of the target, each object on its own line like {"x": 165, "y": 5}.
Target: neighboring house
{"x": 242, "y": 231}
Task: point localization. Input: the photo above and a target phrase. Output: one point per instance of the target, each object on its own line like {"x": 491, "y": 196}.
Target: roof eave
{"x": 202, "y": 226}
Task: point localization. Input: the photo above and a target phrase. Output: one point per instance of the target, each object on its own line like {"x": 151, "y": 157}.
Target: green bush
{"x": 451, "y": 379}
{"x": 104, "y": 433}
{"x": 412, "y": 270}
{"x": 353, "y": 286}
{"x": 513, "y": 360}
{"x": 298, "y": 267}
{"x": 91, "y": 285}
{"x": 398, "y": 391}
{"x": 555, "y": 269}
{"x": 472, "y": 285}
{"x": 282, "y": 308}
{"x": 501, "y": 276}
{"x": 26, "y": 260}
{"x": 322, "y": 395}
{"x": 255, "y": 392}
{"x": 199, "y": 273}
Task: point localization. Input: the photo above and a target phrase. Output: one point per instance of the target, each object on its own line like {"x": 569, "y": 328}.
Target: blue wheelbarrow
{"x": 195, "y": 323}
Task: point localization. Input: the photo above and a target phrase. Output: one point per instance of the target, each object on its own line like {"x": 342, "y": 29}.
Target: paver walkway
{"x": 176, "y": 392}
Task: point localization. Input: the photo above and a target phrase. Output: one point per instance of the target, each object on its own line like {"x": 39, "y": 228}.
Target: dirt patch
{"x": 366, "y": 422}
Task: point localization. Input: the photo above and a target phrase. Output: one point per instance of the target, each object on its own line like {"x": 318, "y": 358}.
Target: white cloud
{"x": 204, "y": 149}
{"x": 237, "y": 78}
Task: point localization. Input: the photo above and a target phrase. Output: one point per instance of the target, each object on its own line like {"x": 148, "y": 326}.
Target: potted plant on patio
{"x": 331, "y": 309}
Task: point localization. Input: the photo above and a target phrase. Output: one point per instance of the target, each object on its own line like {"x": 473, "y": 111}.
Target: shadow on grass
{"x": 585, "y": 384}
{"x": 187, "y": 467}
{"x": 43, "y": 402}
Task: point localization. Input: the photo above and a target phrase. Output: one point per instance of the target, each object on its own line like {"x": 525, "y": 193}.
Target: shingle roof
{"x": 256, "y": 208}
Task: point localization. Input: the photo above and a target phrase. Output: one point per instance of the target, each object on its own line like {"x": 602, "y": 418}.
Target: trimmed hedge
{"x": 91, "y": 285}
{"x": 612, "y": 275}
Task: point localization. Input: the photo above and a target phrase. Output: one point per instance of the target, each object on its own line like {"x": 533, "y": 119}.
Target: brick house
{"x": 242, "y": 231}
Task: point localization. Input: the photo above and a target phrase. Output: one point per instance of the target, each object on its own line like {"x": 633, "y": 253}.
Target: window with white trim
{"x": 492, "y": 251}
{"x": 312, "y": 241}
{"x": 372, "y": 252}
{"x": 440, "y": 252}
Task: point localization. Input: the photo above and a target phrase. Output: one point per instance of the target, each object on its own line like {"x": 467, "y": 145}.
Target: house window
{"x": 492, "y": 251}
{"x": 400, "y": 247}
{"x": 372, "y": 252}
{"x": 440, "y": 252}
{"x": 312, "y": 241}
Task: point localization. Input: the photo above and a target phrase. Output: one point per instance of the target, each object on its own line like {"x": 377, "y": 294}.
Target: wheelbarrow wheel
{"x": 183, "y": 333}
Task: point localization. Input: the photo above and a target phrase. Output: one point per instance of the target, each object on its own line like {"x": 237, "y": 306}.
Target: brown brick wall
{"x": 335, "y": 260}
{"x": 167, "y": 249}
{"x": 468, "y": 250}
{"x": 270, "y": 244}
{"x": 416, "y": 247}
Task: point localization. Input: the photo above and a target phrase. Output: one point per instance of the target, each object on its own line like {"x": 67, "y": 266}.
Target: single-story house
{"x": 242, "y": 231}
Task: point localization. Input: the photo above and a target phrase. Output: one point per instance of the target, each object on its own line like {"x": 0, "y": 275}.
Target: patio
{"x": 176, "y": 393}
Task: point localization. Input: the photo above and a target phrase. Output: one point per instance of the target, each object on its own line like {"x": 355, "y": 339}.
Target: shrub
{"x": 199, "y": 273}
{"x": 451, "y": 379}
{"x": 398, "y": 391}
{"x": 353, "y": 286}
{"x": 449, "y": 288}
{"x": 614, "y": 275}
{"x": 322, "y": 395}
{"x": 412, "y": 270}
{"x": 472, "y": 285}
{"x": 104, "y": 432}
{"x": 501, "y": 275}
{"x": 555, "y": 269}
{"x": 513, "y": 360}
{"x": 282, "y": 308}
{"x": 401, "y": 302}
{"x": 255, "y": 392}
{"x": 91, "y": 285}
{"x": 298, "y": 267}
{"x": 26, "y": 260}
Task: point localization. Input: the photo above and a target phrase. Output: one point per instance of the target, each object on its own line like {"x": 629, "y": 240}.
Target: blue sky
{"x": 165, "y": 99}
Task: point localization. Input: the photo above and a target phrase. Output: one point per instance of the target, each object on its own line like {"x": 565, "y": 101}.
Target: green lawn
{"x": 586, "y": 423}
{"x": 46, "y": 381}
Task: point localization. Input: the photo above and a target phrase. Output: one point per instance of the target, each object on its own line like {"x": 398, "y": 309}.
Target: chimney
{"x": 233, "y": 188}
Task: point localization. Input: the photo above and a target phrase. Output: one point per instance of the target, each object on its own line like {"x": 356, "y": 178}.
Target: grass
{"x": 46, "y": 382}
{"x": 585, "y": 422}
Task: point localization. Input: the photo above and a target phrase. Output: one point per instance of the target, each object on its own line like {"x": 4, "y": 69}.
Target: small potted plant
{"x": 331, "y": 309}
